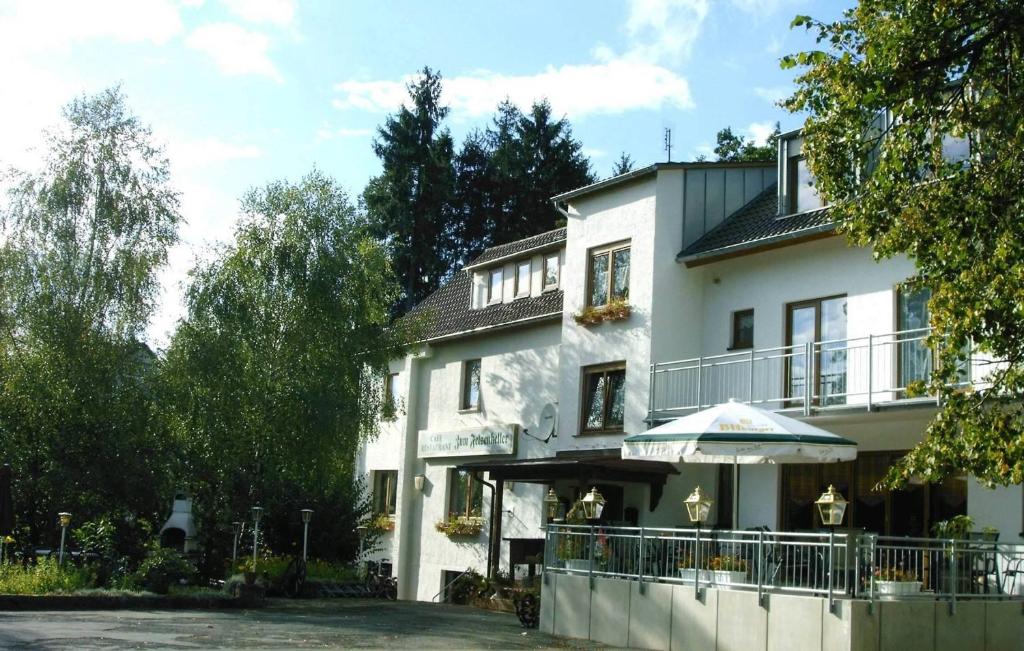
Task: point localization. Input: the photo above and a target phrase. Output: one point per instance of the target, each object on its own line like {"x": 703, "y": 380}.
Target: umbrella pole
{"x": 735, "y": 494}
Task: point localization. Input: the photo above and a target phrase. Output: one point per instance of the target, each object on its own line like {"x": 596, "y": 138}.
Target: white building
{"x": 694, "y": 283}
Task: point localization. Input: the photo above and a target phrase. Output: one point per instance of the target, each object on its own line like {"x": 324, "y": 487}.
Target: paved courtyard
{"x": 336, "y": 623}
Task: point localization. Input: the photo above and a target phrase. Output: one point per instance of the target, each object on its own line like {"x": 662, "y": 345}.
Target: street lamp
{"x": 593, "y": 504}
{"x": 697, "y": 508}
{"x": 257, "y": 513}
{"x": 551, "y": 503}
{"x": 361, "y": 532}
{"x": 236, "y": 528}
{"x": 65, "y": 520}
{"x": 831, "y": 508}
{"x": 307, "y": 514}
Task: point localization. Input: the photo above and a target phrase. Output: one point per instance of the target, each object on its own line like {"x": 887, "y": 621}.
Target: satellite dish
{"x": 546, "y": 424}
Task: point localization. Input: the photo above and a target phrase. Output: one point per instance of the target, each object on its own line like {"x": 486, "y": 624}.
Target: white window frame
{"x": 558, "y": 272}
{"x": 523, "y": 292}
{"x": 500, "y": 272}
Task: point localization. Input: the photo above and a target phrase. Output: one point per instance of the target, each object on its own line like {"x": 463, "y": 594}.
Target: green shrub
{"x": 45, "y": 577}
{"x": 162, "y": 568}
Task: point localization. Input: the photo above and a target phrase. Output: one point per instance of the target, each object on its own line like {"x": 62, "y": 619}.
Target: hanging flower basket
{"x": 615, "y": 310}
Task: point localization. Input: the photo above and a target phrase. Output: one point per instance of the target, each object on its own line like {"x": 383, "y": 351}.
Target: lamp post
{"x": 361, "y": 532}
{"x": 697, "y": 509}
{"x": 257, "y": 513}
{"x": 236, "y": 528}
{"x": 307, "y": 515}
{"x": 551, "y": 504}
{"x": 65, "y": 520}
{"x": 831, "y": 507}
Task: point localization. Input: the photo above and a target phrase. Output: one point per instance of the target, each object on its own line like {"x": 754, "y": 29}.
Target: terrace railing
{"x": 839, "y": 565}
{"x": 864, "y": 372}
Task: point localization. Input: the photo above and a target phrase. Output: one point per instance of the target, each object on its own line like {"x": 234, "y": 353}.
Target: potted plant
{"x": 573, "y": 547}
{"x": 892, "y": 582}
{"x": 460, "y": 526}
{"x": 614, "y": 310}
{"x": 719, "y": 570}
{"x": 382, "y": 523}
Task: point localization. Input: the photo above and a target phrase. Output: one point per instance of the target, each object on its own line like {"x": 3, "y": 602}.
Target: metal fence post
{"x": 650, "y": 399}
{"x": 590, "y": 565}
{"x": 831, "y": 569}
{"x": 700, "y": 370}
{"x": 760, "y": 567}
{"x": 872, "y": 539}
{"x": 696, "y": 563}
{"x": 871, "y": 369}
{"x": 953, "y": 585}
{"x": 750, "y": 387}
{"x": 808, "y": 377}
{"x": 640, "y": 558}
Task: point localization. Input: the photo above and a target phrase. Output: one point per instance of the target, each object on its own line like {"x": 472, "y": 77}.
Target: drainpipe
{"x": 563, "y": 211}
{"x": 494, "y": 528}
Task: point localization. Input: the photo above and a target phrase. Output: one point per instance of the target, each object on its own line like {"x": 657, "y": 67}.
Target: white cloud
{"x": 762, "y": 8}
{"x": 235, "y": 50}
{"x": 195, "y": 154}
{"x": 274, "y": 12}
{"x": 574, "y": 90}
{"x": 774, "y": 94}
{"x": 759, "y": 132}
{"x": 664, "y": 30}
{"x": 591, "y": 152}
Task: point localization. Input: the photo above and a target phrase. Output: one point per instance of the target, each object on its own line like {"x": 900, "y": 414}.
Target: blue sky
{"x": 247, "y": 91}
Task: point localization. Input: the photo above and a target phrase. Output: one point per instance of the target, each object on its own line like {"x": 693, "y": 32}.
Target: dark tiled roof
{"x": 755, "y": 225}
{"x": 447, "y": 311}
{"x": 519, "y": 246}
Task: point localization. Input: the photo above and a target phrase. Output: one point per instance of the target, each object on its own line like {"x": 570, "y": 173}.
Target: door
{"x": 822, "y": 323}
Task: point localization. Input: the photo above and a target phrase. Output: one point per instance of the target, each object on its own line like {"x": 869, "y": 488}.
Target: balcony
{"x": 867, "y": 373}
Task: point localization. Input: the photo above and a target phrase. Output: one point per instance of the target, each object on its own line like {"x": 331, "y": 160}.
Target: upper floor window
{"x": 470, "y": 384}
{"x": 742, "y": 330}
{"x": 494, "y": 283}
{"x": 523, "y": 271}
{"x": 391, "y": 393}
{"x": 385, "y": 483}
{"x": 604, "y": 397}
{"x": 608, "y": 277}
{"x": 551, "y": 272}
{"x": 802, "y": 193}
{"x": 465, "y": 495}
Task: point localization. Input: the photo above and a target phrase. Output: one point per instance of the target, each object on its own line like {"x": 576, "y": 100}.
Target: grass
{"x": 45, "y": 577}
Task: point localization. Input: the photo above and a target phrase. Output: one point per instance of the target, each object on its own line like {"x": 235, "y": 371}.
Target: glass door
{"x": 823, "y": 323}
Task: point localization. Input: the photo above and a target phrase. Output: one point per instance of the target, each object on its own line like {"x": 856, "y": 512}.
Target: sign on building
{"x": 478, "y": 441}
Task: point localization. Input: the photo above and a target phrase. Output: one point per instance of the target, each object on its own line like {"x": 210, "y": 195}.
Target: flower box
{"x": 577, "y": 564}
{"x": 713, "y": 577}
{"x": 895, "y": 589}
{"x": 616, "y": 310}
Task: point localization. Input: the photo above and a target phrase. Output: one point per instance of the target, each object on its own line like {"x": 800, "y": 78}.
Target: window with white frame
{"x": 551, "y": 267}
{"x": 494, "y": 283}
{"x": 523, "y": 271}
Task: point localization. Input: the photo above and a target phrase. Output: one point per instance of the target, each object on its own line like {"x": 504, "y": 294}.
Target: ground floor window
{"x": 385, "y": 492}
{"x": 465, "y": 495}
{"x": 911, "y": 511}
{"x": 604, "y": 398}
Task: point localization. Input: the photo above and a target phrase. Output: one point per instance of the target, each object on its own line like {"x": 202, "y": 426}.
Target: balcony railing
{"x": 843, "y": 565}
{"x": 864, "y": 372}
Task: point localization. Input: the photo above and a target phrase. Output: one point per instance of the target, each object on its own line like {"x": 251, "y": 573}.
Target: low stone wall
{"x": 622, "y": 613}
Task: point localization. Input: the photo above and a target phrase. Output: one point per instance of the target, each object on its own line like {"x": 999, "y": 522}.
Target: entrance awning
{"x": 584, "y": 466}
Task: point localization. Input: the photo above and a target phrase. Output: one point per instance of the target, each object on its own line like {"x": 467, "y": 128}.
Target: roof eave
{"x": 491, "y": 328}
{"x": 556, "y": 244}
{"x": 651, "y": 169}
{"x": 756, "y": 246}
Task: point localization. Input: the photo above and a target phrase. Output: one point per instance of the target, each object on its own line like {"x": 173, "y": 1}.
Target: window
{"x": 465, "y": 495}
{"x": 523, "y": 269}
{"x": 494, "y": 283}
{"x": 608, "y": 279}
{"x": 385, "y": 484}
{"x": 391, "y": 394}
{"x": 742, "y": 330}
{"x": 604, "y": 398}
{"x": 914, "y": 361}
{"x": 819, "y": 320}
{"x": 551, "y": 272}
{"x": 470, "y": 384}
{"x": 802, "y": 193}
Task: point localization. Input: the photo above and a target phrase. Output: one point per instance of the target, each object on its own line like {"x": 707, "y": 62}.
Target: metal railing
{"x": 860, "y": 372}
{"x": 834, "y": 565}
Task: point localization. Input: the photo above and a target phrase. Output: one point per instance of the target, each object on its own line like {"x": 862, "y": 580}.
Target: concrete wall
{"x": 624, "y": 613}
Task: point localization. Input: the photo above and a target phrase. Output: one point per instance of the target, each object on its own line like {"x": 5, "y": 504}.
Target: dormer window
{"x": 494, "y": 283}
{"x": 803, "y": 195}
{"x": 523, "y": 271}
{"x": 551, "y": 272}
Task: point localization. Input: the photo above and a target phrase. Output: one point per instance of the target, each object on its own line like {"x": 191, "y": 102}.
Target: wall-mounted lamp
{"x": 418, "y": 481}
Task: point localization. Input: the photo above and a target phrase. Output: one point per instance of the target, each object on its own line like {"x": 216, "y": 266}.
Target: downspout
{"x": 560, "y": 209}
{"x": 491, "y": 527}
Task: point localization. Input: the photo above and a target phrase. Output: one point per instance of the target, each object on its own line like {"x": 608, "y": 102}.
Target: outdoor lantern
{"x": 307, "y": 515}
{"x": 593, "y": 504}
{"x": 65, "y": 518}
{"x": 697, "y": 506}
{"x": 257, "y": 514}
{"x": 831, "y": 507}
{"x": 551, "y": 501}
{"x": 418, "y": 481}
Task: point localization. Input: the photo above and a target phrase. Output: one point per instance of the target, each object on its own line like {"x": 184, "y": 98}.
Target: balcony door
{"x": 914, "y": 357}
{"x": 821, "y": 321}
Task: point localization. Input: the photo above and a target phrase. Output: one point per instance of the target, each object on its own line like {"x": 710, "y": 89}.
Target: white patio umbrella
{"x": 737, "y": 433}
